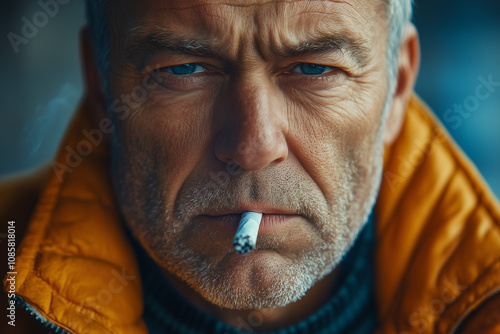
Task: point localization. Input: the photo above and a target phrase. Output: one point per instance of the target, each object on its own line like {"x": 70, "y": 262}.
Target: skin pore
{"x": 291, "y": 92}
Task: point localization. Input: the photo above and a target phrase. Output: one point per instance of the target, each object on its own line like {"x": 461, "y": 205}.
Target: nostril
{"x": 252, "y": 149}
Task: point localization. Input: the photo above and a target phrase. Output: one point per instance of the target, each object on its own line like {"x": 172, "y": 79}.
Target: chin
{"x": 258, "y": 280}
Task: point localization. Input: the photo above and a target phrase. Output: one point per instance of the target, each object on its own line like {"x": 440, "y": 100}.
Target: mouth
{"x": 273, "y": 219}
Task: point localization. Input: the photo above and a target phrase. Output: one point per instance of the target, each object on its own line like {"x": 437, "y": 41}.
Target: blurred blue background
{"x": 41, "y": 83}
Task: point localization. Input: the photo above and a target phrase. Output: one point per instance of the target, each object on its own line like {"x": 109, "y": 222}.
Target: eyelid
{"x": 166, "y": 68}
{"x": 328, "y": 68}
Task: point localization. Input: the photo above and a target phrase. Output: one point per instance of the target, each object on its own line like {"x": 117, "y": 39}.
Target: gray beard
{"x": 164, "y": 235}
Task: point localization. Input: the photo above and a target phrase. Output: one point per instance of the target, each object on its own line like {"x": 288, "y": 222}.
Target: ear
{"x": 93, "y": 88}
{"x": 408, "y": 65}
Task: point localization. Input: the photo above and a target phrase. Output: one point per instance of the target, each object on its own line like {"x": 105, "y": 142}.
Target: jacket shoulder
{"x": 438, "y": 235}
{"x": 19, "y": 194}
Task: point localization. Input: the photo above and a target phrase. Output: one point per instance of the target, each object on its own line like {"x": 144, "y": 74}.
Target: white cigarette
{"x": 246, "y": 235}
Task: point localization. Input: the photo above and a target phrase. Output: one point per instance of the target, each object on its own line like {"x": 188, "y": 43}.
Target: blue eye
{"x": 184, "y": 69}
{"x": 311, "y": 69}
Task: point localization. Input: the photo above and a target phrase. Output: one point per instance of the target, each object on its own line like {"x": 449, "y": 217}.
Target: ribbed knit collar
{"x": 351, "y": 308}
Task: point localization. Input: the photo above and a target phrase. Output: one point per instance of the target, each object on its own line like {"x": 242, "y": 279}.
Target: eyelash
{"x": 169, "y": 78}
{"x": 299, "y": 78}
{"x": 313, "y": 75}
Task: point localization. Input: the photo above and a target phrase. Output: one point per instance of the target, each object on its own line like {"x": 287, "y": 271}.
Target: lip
{"x": 261, "y": 208}
{"x": 271, "y": 222}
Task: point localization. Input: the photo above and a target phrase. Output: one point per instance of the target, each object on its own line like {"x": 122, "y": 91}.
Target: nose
{"x": 251, "y": 126}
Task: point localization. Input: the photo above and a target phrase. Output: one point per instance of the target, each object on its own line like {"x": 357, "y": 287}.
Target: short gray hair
{"x": 399, "y": 13}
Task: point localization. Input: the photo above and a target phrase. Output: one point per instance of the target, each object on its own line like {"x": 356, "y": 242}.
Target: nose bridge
{"x": 252, "y": 131}
{"x": 255, "y": 112}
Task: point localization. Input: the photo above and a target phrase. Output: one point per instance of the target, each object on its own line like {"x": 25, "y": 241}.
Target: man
{"x": 199, "y": 111}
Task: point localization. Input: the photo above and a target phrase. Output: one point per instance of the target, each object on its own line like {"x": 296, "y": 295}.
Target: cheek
{"x": 166, "y": 138}
{"x": 335, "y": 139}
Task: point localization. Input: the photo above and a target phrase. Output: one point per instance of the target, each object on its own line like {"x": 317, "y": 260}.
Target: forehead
{"x": 233, "y": 23}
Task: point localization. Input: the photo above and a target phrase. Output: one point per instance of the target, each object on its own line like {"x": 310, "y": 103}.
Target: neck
{"x": 263, "y": 319}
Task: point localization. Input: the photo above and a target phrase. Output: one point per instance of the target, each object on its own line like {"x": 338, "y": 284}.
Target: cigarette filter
{"x": 246, "y": 235}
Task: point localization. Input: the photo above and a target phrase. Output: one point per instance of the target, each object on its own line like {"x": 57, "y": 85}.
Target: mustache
{"x": 215, "y": 192}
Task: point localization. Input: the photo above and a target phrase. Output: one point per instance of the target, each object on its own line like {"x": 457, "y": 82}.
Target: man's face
{"x": 232, "y": 106}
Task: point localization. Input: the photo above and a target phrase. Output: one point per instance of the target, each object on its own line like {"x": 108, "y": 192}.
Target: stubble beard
{"x": 285, "y": 279}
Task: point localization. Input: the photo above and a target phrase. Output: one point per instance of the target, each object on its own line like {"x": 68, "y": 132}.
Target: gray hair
{"x": 399, "y": 14}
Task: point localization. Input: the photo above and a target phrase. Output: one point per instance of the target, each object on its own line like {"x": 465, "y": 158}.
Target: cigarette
{"x": 246, "y": 235}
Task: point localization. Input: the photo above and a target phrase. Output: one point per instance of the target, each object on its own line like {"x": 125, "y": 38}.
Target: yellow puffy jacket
{"x": 437, "y": 255}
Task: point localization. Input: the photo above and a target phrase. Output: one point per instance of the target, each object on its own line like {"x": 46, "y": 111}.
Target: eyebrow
{"x": 142, "y": 42}
{"x": 356, "y": 49}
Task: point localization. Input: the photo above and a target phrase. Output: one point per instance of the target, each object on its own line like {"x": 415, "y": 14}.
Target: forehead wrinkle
{"x": 341, "y": 12}
{"x": 310, "y": 35}
{"x": 206, "y": 37}
{"x": 250, "y": 33}
{"x": 234, "y": 3}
